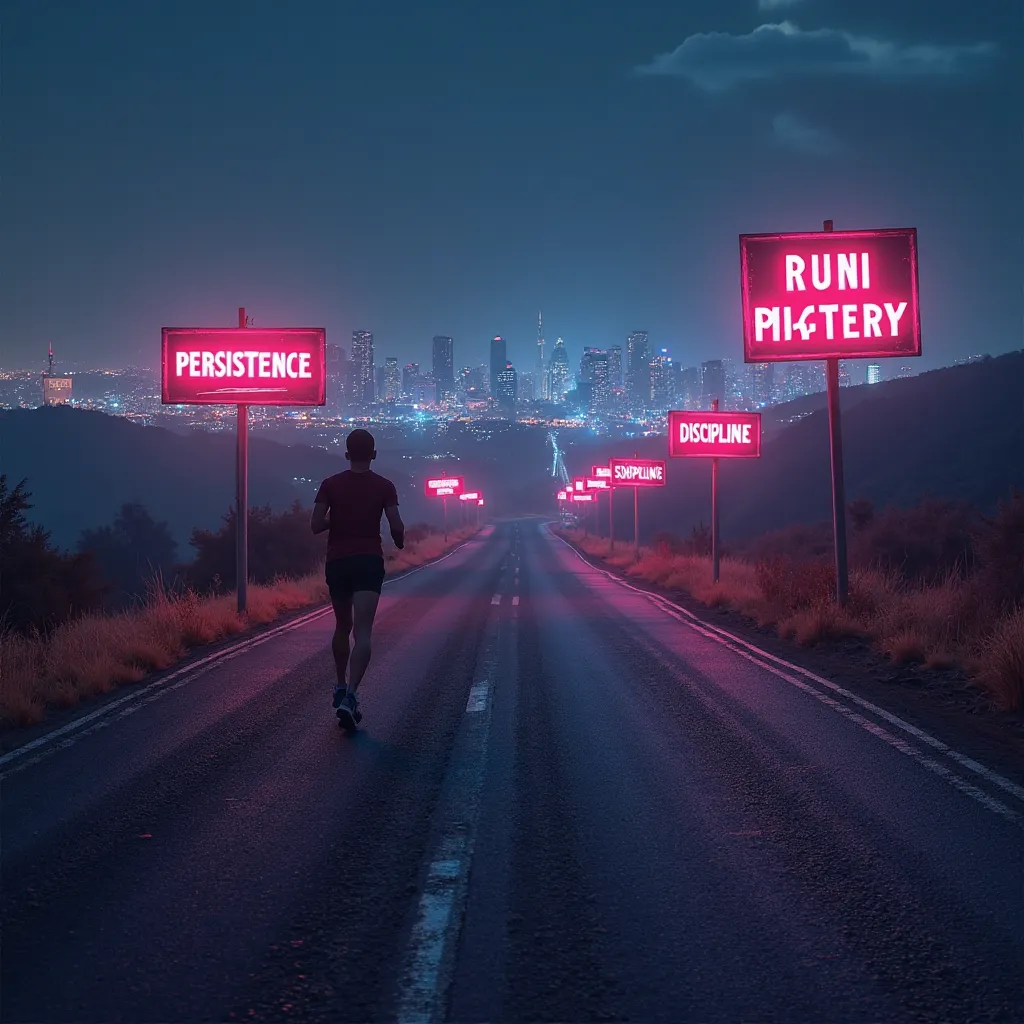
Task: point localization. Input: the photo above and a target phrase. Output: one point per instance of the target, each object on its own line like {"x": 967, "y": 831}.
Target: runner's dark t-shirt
{"x": 356, "y": 502}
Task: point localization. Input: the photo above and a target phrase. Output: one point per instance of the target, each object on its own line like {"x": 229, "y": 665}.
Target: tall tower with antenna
{"x": 542, "y": 376}
{"x": 56, "y": 390}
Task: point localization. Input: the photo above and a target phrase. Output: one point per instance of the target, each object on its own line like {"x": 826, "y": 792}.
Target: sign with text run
{"x": 243, "y": 366}
{"x": 637, "y": 472}
{"x": 723, "y": 435}
{"x": 444, "y": 487}
{"x": 830, "y": 295}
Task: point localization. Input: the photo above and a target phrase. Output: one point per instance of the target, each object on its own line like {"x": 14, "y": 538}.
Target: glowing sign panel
{"x": 583, "y": 497}
{"x": 563, "y": 495}
{"x": 830, "y": 295}
{"x": 724, "y": 435}
{"x": 601, "y": 473}
{"x": 470, "y": 496}
{"x": 579, "y": 483}
{"x": 637, "y": 473}
{"x": 601, "y": 484}
{"x": 444, "y": 487}
{"x": 243, "y": 366}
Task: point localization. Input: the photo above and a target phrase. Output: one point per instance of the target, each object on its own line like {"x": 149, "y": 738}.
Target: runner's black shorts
{"x": 351, "y": 573}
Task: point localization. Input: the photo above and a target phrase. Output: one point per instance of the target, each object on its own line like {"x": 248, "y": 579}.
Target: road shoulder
{"x": 944, "y": 703}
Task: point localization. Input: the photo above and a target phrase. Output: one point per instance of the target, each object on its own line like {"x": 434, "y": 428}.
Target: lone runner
{"x": 349, "y": 505}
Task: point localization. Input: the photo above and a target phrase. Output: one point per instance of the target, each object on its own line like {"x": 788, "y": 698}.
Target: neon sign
{"x": 830, "y": 295}
{"x": 726, "y": 435}
{"x": 243, "y": 366}
{"x": 444, "y": 487}
{"x": 637, "y": 473}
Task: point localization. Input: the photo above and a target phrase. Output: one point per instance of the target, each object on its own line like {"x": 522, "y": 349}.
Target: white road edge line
{"x": 727, "y": 639}
{"x": 196, "y": 669}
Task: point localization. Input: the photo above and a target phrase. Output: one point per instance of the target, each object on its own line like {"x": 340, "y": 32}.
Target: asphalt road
{"x": 568, "y": 802}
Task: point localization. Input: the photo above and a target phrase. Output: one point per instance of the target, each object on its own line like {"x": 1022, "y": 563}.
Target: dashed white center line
{"x": 478, "y": 696}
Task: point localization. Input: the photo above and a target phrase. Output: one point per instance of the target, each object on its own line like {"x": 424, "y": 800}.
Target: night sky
{"x": 419, "y": 168}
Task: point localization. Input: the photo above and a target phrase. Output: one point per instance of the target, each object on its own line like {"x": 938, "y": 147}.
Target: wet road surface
{"x": 569, "y": 801}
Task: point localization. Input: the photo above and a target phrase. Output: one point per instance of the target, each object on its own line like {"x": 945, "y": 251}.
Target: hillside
{"x": 81, "y": 466}
{"x": 955, "y": 433}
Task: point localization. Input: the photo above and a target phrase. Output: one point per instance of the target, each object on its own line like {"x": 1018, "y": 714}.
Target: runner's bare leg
{"x": 364, "y": 608}
{"x": 342, "y": 628}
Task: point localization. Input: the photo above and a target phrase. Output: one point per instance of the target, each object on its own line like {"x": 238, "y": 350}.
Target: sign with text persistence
{"x": 444, "y": 487}
{"x": 243, "y": 366}
{"x": 723, "y": 435}
{"x": 637, "y": 473}
{"x": 830, "y": 295}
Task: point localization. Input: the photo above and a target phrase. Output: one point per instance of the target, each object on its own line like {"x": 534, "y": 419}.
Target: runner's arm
{"x": 396, "y": 524}
{"x": 318, "y": 521}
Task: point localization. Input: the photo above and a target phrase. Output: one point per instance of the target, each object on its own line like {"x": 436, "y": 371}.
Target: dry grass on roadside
{"x": 941, "y": 624}
{"x": 95, "y": 653}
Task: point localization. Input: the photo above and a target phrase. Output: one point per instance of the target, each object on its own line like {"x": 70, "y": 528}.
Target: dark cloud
{"x": 791, "y": 131}
{"x": 717, "y": 60}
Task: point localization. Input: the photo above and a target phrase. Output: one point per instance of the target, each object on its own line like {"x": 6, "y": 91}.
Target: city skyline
{"x": 687, "y": 128}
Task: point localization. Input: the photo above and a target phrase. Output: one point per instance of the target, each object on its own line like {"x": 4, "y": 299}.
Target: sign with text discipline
{"x": 243, "y": 366}
{"x": 830, "y": 295}
{"x": 444, "y": 487}
{"x": 637, "y": 472}
{"x": 723, "y": 435}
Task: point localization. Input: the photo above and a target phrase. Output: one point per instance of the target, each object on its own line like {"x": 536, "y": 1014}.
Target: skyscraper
{"x": 712, "y": 383}
{"x": 594, "y": 371}
{"x": 337, "y": 373}
{"x": 499, "y": 361}
{"x": 558, "y": 372}
{"x": 506, "y": 389}
{"x": 615, "y": 366}
{"x": 410, "y": 378}
{"x": 541, "y": 373}
{"x": 662, "y": 376}
{"x": 392, "y": 380}
{"x": 638, "y": 372}
{"x": 444, "y": 367}
{"x": 362, "y": 389}
{"x": 690, "y": 388}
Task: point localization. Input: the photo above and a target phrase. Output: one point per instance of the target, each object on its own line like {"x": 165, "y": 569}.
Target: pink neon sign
{"x": 444, "y": 487}
{"x": 830, "y": 295}
{"x": 243, "y": 366}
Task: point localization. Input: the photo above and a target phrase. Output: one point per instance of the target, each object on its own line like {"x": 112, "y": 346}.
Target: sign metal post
{"x": 714, "y": 509}
{"x": 242, "y": 498}
{"x": 243, "y": 366}
{"x": 714, "y": 435}
{"x": 830, "y": 295}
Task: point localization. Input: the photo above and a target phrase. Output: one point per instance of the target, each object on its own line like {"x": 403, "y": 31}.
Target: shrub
{"x": 1001, "y": 662}
{"x": 793, "y": 585}
{"x": 923, "y": 543}
{"x": 1000, "y": 545}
